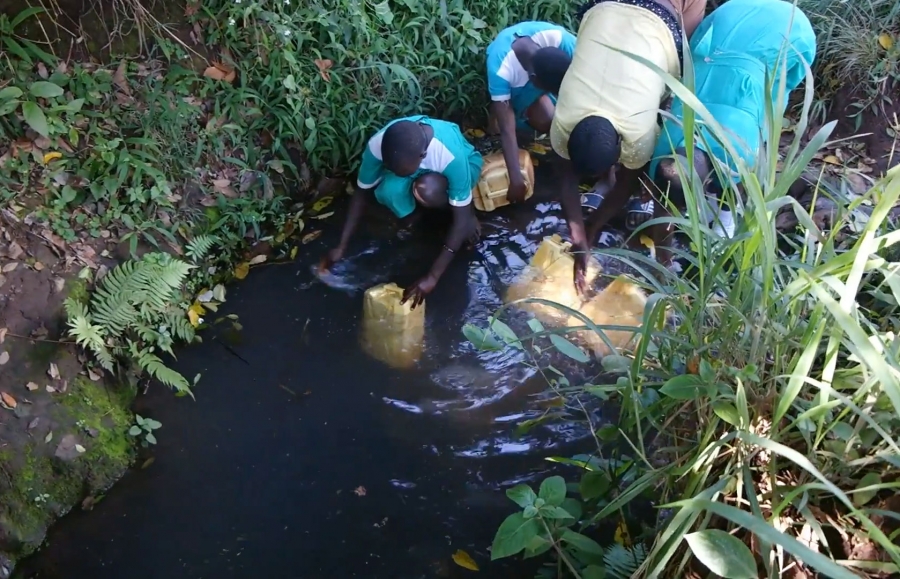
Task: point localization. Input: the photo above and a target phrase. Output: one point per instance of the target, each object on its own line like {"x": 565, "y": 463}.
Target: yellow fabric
{"x": 603, "y": 82}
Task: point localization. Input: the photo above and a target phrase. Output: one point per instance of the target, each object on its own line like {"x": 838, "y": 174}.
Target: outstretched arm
{"x": 571, "y": 206}
{"x": 461, "y": 229}
{"x": 506, "y": 120}
{"x": 354, "y": 216}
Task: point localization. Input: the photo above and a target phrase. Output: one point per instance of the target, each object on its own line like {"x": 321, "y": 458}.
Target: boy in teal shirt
{"x": 733, "y": 50}
{"x": 525, "y": 66}
{"x": 417, "y": 161}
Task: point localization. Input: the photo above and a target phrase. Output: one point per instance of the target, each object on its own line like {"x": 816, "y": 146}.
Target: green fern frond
{"x": 199, "y": 247}
{"x": 75, "y": 309}
{"x": 153, "y": 365}
{"x": 621, "y": 562}
{"x": 181, "y": 327}
{"x": 91, "y": 337}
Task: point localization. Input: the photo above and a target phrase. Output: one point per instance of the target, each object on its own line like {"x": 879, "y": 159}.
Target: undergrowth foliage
{"x": 136, "y": 309}
{"x": 760, "y": 406}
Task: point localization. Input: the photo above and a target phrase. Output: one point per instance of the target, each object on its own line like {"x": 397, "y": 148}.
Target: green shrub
{"x": 376, "y": 61}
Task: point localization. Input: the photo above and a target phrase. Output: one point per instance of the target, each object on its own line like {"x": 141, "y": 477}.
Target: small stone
{"x": 31, "y": 386}
{"x": 15, "y": 250}
{"x": 50, "y": 389}
{"x": 4, "y": 357}
{"x": 58, "y": 284}
{"x": 67, "y": 448}
{"x": 38, "y": 266}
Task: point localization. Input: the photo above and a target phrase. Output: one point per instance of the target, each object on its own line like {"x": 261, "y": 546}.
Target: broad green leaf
{"x": 553, "y": 490}
{"x": 569, "y": 349}
{"x": 723, "y": 554}
{"x": 134, "y": 430}
{"x": 573, "y": 507}
{"x": 8, "y": 107}
{"x": 514, "y": 534}
{"x": 593, "y": 485}
{"x": 684, "y": 387}
{"x": 505, "y": 332}
{"x": 537, "y": 546}
{"x": 522, "y": 495}
{"x": 593, "y": 572}
{"x": 616, "y": 363}
{"x": 727, "y": 412}
{"x": 555, "y": 513}
{"x": 480, "y": 338}
{"x": 860, "y": 498}
{"x": 535, "y": 325}
{"x": 35, "y": 118}
{"x": 582, "y": 543}
{"x": 44, "y": 89}
{"x": 10, "y": 92}
{"x": 383, "y": 11}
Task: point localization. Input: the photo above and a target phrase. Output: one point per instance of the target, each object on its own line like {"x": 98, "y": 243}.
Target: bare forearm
{"x": 506, "y": 119}
{"x": 571, "y": 204}
{"x": 459, "y": 232}
{"x": 354, "y": 215}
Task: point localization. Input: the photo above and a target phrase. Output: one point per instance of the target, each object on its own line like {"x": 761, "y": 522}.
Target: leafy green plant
{"x": 136, "y": 311}
{"x": 143, "y": 429}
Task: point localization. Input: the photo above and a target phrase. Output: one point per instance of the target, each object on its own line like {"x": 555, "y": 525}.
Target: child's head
{"x": 403, "y": 146}
{"x": 594, "y": 147}
{"x": 549, "y": 65}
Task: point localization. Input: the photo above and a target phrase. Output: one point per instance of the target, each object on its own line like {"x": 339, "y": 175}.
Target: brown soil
{"x": 878, "y": 127}
{"x": 63, "y": 432}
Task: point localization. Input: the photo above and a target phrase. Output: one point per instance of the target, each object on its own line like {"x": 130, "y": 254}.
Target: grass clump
{"x": 760, "y": 408}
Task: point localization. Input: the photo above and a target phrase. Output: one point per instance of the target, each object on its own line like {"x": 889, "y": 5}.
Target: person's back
{"x": 736, "y": 51}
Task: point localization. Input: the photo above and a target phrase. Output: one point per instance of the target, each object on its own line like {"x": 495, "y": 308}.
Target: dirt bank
{"x": 63, "y": 429}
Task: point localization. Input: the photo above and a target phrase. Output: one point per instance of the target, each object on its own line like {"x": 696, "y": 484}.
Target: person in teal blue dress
{"x": 733, "y": 50}
{"x": 525, "y": 66}
{"x": 417, "y": 161}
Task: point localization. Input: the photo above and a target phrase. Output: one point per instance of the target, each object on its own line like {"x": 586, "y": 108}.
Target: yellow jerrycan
{"x": 490, "y": 192}
{"x": 392, "y": 332}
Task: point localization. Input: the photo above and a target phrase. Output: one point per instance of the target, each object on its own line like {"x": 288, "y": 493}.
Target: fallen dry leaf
{"x": 195, "y": 313}
{"x": 42, "y": 71}
{"x": 464, "y": 560}
{"x": 832, "y": 160}
{"x": 886, "y": 40}
{"x": 80, "y": 449}
{"x": 31, "y": 386}
{"x": 324, "y": 66}
{"x": 223, "y": 186}
{"x": 258, "y": 260}
{"x": 241, "y": 270}
{"x": 4, "y": 357}
{"x": 33, "y": 424}
{"x": 38, "y": 266}
{"x": 311, "y": 236}
{"x": 50, "y": 389}
{"x": 50, "y": 156}
{"x": 320, "y": 204}
{"x": 93, "y": 376}
{"x": 53, "y": 372}
{"x": 119, "y": 78}
{"x": 148, "y": 462}
{"x": 324, "y": 215}
{"x": 3, "y": 334}
{"x": 7, "y": 400}
{"x": 360, "y": 491}
{"x": 15, "y": 250}
{"x": 49, "y": 437}
{"x": 10, "y": 266}
{"x": 220, "y": 71}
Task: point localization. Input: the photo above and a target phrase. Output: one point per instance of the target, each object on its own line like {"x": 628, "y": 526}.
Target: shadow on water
{"x": 262, "y": 475}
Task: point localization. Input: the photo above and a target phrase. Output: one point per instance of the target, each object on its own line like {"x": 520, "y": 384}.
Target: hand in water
{"x": 330, "y": 258}
{"x": 580, "y": 271}
{"x": 517, "y": 190}
{"x": 419, "y": 290}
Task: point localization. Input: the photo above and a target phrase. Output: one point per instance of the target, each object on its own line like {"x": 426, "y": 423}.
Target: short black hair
{"x": 402, "y": 142}
{"x": 550, "y": 65}
{"x": 594, "y": 146}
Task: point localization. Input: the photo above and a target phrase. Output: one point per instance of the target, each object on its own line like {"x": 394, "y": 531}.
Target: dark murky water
{"x": 257, "y": 477}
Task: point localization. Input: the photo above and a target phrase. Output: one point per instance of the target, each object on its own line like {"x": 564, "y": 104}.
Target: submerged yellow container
{"x": 552, "y": 257}
{"x": 490, "y": 192}
{"x": 392, "y": 332}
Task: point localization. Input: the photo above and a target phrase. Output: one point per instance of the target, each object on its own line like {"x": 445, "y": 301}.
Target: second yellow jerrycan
{"x": 392, "y": 332}
{"x": 490, "y": 192}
